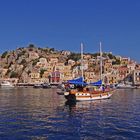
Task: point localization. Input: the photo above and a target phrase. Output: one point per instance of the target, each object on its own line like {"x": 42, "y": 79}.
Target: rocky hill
{"x": 22, "y": 61}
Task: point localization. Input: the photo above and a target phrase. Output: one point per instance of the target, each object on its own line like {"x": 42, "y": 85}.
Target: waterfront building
{"x": 49, "y": 67}
{"x": 90, "y": 76}
{"x": 132, "y": 65}
{"x": 107, "y": 66}
{"x": 136, "y": 76}
{"x": 71, "y": 62}
{"x": 67, "y": 73}
{"x": 55, "y": 77}
{"x": 123, "y": 72}
{"x": 60, "y": 67}
{"x": 111, "y": 78}
{"x": 35, "y": 76}
{"x": 125, "y": 61}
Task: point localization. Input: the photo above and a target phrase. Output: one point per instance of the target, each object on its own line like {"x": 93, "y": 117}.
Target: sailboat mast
{"x": 82, "y": 61}
{"x": 101, "y": 61}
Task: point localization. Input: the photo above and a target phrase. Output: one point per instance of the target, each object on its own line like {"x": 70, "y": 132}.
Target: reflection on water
{"x": 28, "y": 113}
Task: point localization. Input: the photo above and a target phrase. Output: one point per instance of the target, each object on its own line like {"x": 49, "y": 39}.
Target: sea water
{"x": 42, "y": 114}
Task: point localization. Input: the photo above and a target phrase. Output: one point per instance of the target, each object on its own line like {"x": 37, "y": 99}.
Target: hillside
{"x": 21, "y": 62}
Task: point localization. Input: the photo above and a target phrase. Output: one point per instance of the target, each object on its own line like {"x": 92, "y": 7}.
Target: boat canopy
{"x": 78, "y": 81}
{"x": 98, "y": 83}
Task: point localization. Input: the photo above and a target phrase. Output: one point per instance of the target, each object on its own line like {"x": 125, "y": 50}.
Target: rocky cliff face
{"x": 21, "y": 62}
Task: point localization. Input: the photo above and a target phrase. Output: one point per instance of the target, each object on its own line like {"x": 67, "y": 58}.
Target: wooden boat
{"x": 82, "y": 92}
{"x": 87, "y": 94}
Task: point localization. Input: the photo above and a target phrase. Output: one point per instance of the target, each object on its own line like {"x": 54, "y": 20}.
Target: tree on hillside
{"x": 21, "y": 53}
{"x": 35, "y": 61}
{"x": 4, "y": 54}
{"x": 116, "y": 62}
{"x": 42, "y": 72}
{"x": 51, "y": 50}
{"x": 111, "y": 56}
{"x": 14, "y": 74}
{"x": 95, "y": 55}
{"x": 31, "y": 47}
{"x": 74, "y": 56}
{"x": 23, "y": 62}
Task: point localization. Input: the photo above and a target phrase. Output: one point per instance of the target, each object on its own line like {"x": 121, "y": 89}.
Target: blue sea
{"x": 42, "y": 114}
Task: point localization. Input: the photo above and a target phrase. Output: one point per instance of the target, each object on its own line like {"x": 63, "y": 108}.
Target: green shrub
{"x": 23, "y": 62}
{"x": 14, "y": 74}
{"x": 4, "y": 54}
{"x": 35, "y": 61}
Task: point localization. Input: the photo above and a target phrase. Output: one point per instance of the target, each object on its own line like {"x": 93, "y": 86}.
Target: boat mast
{"x": 82, "y": 61}
{"x": 101, "y": 61}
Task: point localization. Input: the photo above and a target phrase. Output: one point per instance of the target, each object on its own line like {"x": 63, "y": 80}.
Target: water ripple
{"x": 40, "y": 114}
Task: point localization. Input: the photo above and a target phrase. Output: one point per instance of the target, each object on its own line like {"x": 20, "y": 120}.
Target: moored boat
{"x": 46, "y": 85}
{"x": 37, "y": 86}
{"x": 88, "y": 93}
{"x": 83, "y": 92}
{"x": 6, "y": 84}
{"x": 125, "y": 86}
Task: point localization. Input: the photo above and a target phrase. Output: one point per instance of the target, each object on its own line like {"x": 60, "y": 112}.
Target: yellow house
{"x": 46, "y": 74}
{"x": 50, "y": 68}
{"x": 60, "y": 67}
{"x": 112, "y": 79}
{"x": 90, "y": 76}
{"x": 125, "y": 60}
{"x": 67, "y": 73}
{"x": 35, "y": 75}
{"x": 107, "y": 66}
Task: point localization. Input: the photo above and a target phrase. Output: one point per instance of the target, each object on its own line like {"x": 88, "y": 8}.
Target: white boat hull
{"x": 90, "y": 98}
{"x": 86, "y": 96}
{"x": 125, "y": 86}
{"x": 6, "y": 84}
{"x": 78, "y": 98}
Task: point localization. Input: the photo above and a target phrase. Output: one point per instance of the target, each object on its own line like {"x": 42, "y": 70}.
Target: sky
{"x": 64, "y": 24}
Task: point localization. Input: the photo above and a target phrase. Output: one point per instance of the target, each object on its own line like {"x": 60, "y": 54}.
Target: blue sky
{"x": 64, "y": 24}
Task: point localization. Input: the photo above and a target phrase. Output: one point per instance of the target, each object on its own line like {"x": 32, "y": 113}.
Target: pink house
{"x": 55, "y": 77}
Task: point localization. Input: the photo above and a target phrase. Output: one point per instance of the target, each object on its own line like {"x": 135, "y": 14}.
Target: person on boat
{"x": 67, "y": 87}
{"x": 107, "y": 87}
{"x": 79, "y": 87}
{"x": 103, "y": 88}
